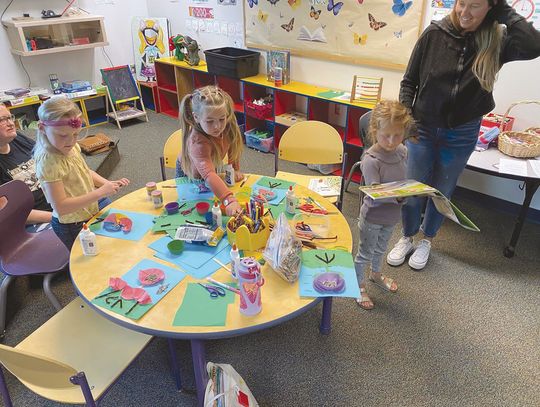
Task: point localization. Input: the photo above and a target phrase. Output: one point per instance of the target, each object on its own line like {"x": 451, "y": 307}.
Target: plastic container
{"x": 250, "y": 281}
{"x": 260, "y": 112}
{"x": 157, "y": 198}
{"x": 235, "y": 260}
{"x": 255, "y": 141}
{"x": 291, "y": 200}
{"x": 88, "y": 241}
{"x": 232, "y": 62}
{"x": 150, "y": 187}
{"x": 217, "y": 217}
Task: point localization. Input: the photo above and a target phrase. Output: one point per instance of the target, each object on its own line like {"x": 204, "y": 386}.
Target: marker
{"x": 225, "y": 286}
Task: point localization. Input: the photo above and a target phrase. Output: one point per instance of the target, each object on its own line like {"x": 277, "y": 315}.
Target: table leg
{"x": 326, "y": 327}
{"x": 199, "y": 368}
{"x": 174, "y": 365}
{"x": 530, "y": 189}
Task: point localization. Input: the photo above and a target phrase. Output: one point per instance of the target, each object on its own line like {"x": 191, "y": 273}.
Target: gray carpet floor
{"x": 463, "y": 332}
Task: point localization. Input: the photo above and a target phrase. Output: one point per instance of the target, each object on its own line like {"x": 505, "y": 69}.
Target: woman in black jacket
{"x": 448, "y": 87}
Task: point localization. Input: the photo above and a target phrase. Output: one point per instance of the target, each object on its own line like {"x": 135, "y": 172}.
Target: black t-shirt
{"x": 19, "y": 164}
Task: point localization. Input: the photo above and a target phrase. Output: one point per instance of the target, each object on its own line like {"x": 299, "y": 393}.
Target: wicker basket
{"x": 522, "y": 144}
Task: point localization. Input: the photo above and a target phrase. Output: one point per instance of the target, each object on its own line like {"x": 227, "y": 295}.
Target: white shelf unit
{"x": 63, "y": 33}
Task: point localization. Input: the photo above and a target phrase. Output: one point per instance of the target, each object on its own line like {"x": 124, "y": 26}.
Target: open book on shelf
{"x": 409, "y": 187}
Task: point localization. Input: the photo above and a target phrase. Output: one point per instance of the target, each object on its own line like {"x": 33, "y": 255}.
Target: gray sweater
{"x": 380, "y": 166}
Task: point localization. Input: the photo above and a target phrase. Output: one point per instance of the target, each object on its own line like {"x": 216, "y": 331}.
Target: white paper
{"x": 535, "y": 164}
{"x": 513, "y": 167}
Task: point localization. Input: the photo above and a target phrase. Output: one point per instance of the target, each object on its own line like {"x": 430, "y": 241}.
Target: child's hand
{"x": 233, "y": 208}
{"x": 124, "y": 182}
{"x": 238, "y": 176}
{"x": 108, "y": 188}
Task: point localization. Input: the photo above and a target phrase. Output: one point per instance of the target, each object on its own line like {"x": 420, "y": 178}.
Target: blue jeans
{"x": 179, "y": 172}
{"x": 372, "y": 247}
{"x": 67, "y": 232}
{"x": 437, "y": 159}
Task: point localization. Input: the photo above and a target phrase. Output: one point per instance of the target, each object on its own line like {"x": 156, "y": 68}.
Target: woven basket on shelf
{"x": 522, "y": 144}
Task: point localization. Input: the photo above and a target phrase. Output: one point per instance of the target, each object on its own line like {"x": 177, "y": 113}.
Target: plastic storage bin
{"x": 259, "y": 143}
{"x": 232, "y": 62}
{"x": 260, "y": 112}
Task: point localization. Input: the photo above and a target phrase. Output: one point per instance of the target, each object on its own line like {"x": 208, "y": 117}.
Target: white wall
{"x": 517, "y": 80}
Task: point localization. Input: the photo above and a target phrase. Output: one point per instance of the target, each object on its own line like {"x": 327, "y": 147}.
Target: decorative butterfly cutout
{"x": 314, "y": 13}
{"x": 252, "y": 3}
{"x": 360, "y": 39}
{"x": 360, "y": 1}
{"x": 288, "y": 27}
{"x": 294, "y": 3}
{"x": 374, "y": 23}
{"x": 273, "y": 2}
{"x": 262, "y": 16}
{"x": 334, "y": 7}
{"x": 323, "y": 26}
{"x": 400, "y": 8}
{"x": 398, "y": 34}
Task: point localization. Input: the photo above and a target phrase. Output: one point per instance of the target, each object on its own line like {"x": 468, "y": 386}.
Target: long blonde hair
{"x": 208, "y": 97}
{"x": 56, "y": 108}
{"x": 390, "y": 113}
{"x": 488, "y": 38}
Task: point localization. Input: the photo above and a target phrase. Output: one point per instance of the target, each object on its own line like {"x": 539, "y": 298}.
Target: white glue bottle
{"x": 217, "y": 218}
{"x": 88, "y": 241}
{"x": 290, "y": 197}
{"x": 235, "y": 260}
{"x": 229, "y": 175}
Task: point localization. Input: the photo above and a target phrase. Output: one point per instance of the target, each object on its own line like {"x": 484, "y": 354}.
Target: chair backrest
{"x": 363, "y": 129}
{"x": 311, "y": 142}
{"x": 171, "y": 149}
{"x": 14, "y": 213}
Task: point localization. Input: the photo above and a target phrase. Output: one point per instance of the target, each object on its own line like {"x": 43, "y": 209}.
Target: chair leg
{"x": 174, "y": 365}
{"x": 162, "y": 167}
{"x": 3, "y": 303}
{"x": 349, "y": 177}
{"x": 80, "y": 380}
{"x": 4, "y": 390}
{"x": 47, "y": 288}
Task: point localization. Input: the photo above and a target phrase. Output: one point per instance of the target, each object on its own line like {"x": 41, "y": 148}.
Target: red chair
{"x": 23, "y": 253}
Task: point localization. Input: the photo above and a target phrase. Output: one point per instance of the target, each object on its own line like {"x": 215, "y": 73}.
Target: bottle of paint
{"x": 249, "y": 283}
{"x": 157, "y": 198}
{"x": 217, "y": 218}
{"x": 290, "y": 199}
{"x": 150, "y": 187}
{"x": 88, "y": 241}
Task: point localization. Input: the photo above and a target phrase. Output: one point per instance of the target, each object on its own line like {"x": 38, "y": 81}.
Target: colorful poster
{"x": 150, "y": 42}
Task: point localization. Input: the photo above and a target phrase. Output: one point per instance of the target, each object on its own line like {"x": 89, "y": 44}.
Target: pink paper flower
{"x": 117, "y": 283}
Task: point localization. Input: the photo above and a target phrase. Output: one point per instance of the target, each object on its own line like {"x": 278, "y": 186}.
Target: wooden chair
{"x": 72, "y": 358}
{"x": 311, "y": 142}
{"x": 171, "y": 149}
{"x": 23, "y": 253}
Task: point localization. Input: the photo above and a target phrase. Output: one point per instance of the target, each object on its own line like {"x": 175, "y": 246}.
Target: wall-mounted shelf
{"x": 56, "y": 34}
{"x": 176, "y": 79}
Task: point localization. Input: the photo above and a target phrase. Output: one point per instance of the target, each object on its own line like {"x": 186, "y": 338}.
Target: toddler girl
{"x": 210, "y": 133}
{"x": 72, "y": 189}
{"x": 385, "y": 161}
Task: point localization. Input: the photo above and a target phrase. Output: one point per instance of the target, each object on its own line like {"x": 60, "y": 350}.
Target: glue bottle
{"x": 290, "y": 201}
{"x": 88, "y": 241}
{"x": 217, "y": 218}
{"x": 235, "y": 260}
{"x": 229, "y": 175}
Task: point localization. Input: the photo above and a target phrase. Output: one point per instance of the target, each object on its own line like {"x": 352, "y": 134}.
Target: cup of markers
{"x": 249, "y": 229}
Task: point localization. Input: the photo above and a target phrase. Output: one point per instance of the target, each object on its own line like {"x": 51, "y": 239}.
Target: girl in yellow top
{"x": 72, "y": 189}
{"x": 210, "y": 133}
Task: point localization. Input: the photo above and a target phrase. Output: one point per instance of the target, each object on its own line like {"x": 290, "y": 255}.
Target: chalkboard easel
{"x": 124, "y": 94}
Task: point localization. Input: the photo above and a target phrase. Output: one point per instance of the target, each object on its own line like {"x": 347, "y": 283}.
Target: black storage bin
{"x": 232, "y": 62}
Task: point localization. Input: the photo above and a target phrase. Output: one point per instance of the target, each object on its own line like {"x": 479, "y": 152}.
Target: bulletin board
{"x": 366, "y": 32}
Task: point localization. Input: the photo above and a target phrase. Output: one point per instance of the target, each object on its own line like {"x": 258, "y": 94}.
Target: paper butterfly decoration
{"x": 252, "y": 3}
{"x": 374, "y": 23}
{"x": 262, "y": 16}
{"x": 273, "y": 2}
{"x": 288, "y": 27}
{"x": 400, "y": 8}
{"x": 398, "y": 34}
{"x": 314, "y": 13}
{"x": 294, "y": 3}
{"x": 334, "y": 7}
{"x": 360, "y": 1}
{"x": 360, "y": 39}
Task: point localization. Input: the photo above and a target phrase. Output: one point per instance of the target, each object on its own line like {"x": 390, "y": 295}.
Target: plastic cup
{"x": 202, "y": 208}
{"x": 172, "y": 208}
{"x": 175, "y": 246}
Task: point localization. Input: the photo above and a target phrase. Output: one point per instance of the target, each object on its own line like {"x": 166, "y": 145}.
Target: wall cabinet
{"x": 292, "y": 102}
{"x": 55, "y": 34}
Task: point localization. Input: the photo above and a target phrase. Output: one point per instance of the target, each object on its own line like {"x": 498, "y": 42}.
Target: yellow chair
{"x": 76, "y": 347}
{"x": 311, "y": 142}
{"x": 171, "y": 149}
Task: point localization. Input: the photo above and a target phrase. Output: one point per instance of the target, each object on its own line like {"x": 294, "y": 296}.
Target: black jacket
{"x": 439, "y": 85}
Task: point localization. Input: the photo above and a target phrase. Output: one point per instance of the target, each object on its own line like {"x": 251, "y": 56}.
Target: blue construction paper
{"x": 187, "y": 190}
{"x": 193, "y": 255}
{"x": 142, "y": 222}
{"x": 280, "y": 193}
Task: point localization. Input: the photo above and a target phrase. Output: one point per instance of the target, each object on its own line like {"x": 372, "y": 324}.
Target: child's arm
{"x": 62, "y": 204}
{"x": 98, "y": 180}
{"x": 38, "y": 216}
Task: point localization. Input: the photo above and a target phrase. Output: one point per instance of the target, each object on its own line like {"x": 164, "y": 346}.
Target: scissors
{"x": 214, "y": 291}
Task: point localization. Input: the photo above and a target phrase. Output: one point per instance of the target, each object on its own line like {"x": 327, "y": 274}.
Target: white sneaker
{"x": 421, "y": 255}
{"x": 397, "y": 255}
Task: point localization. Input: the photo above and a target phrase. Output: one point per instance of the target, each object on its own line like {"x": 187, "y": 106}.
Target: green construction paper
{"x": 199, "y": 309}
{"x": 330, "y": 94}
{"x": 267, "y": 181}
{"x": 173, "y": 221}
{"x": 121, "y": 306}
{"x": 334, "y": 257}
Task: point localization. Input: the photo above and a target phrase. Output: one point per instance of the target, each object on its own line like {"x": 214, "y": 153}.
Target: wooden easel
{"x": 366, "y": 89}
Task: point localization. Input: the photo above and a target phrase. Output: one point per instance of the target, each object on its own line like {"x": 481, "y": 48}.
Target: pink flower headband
{"x": 75, "y": 122}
